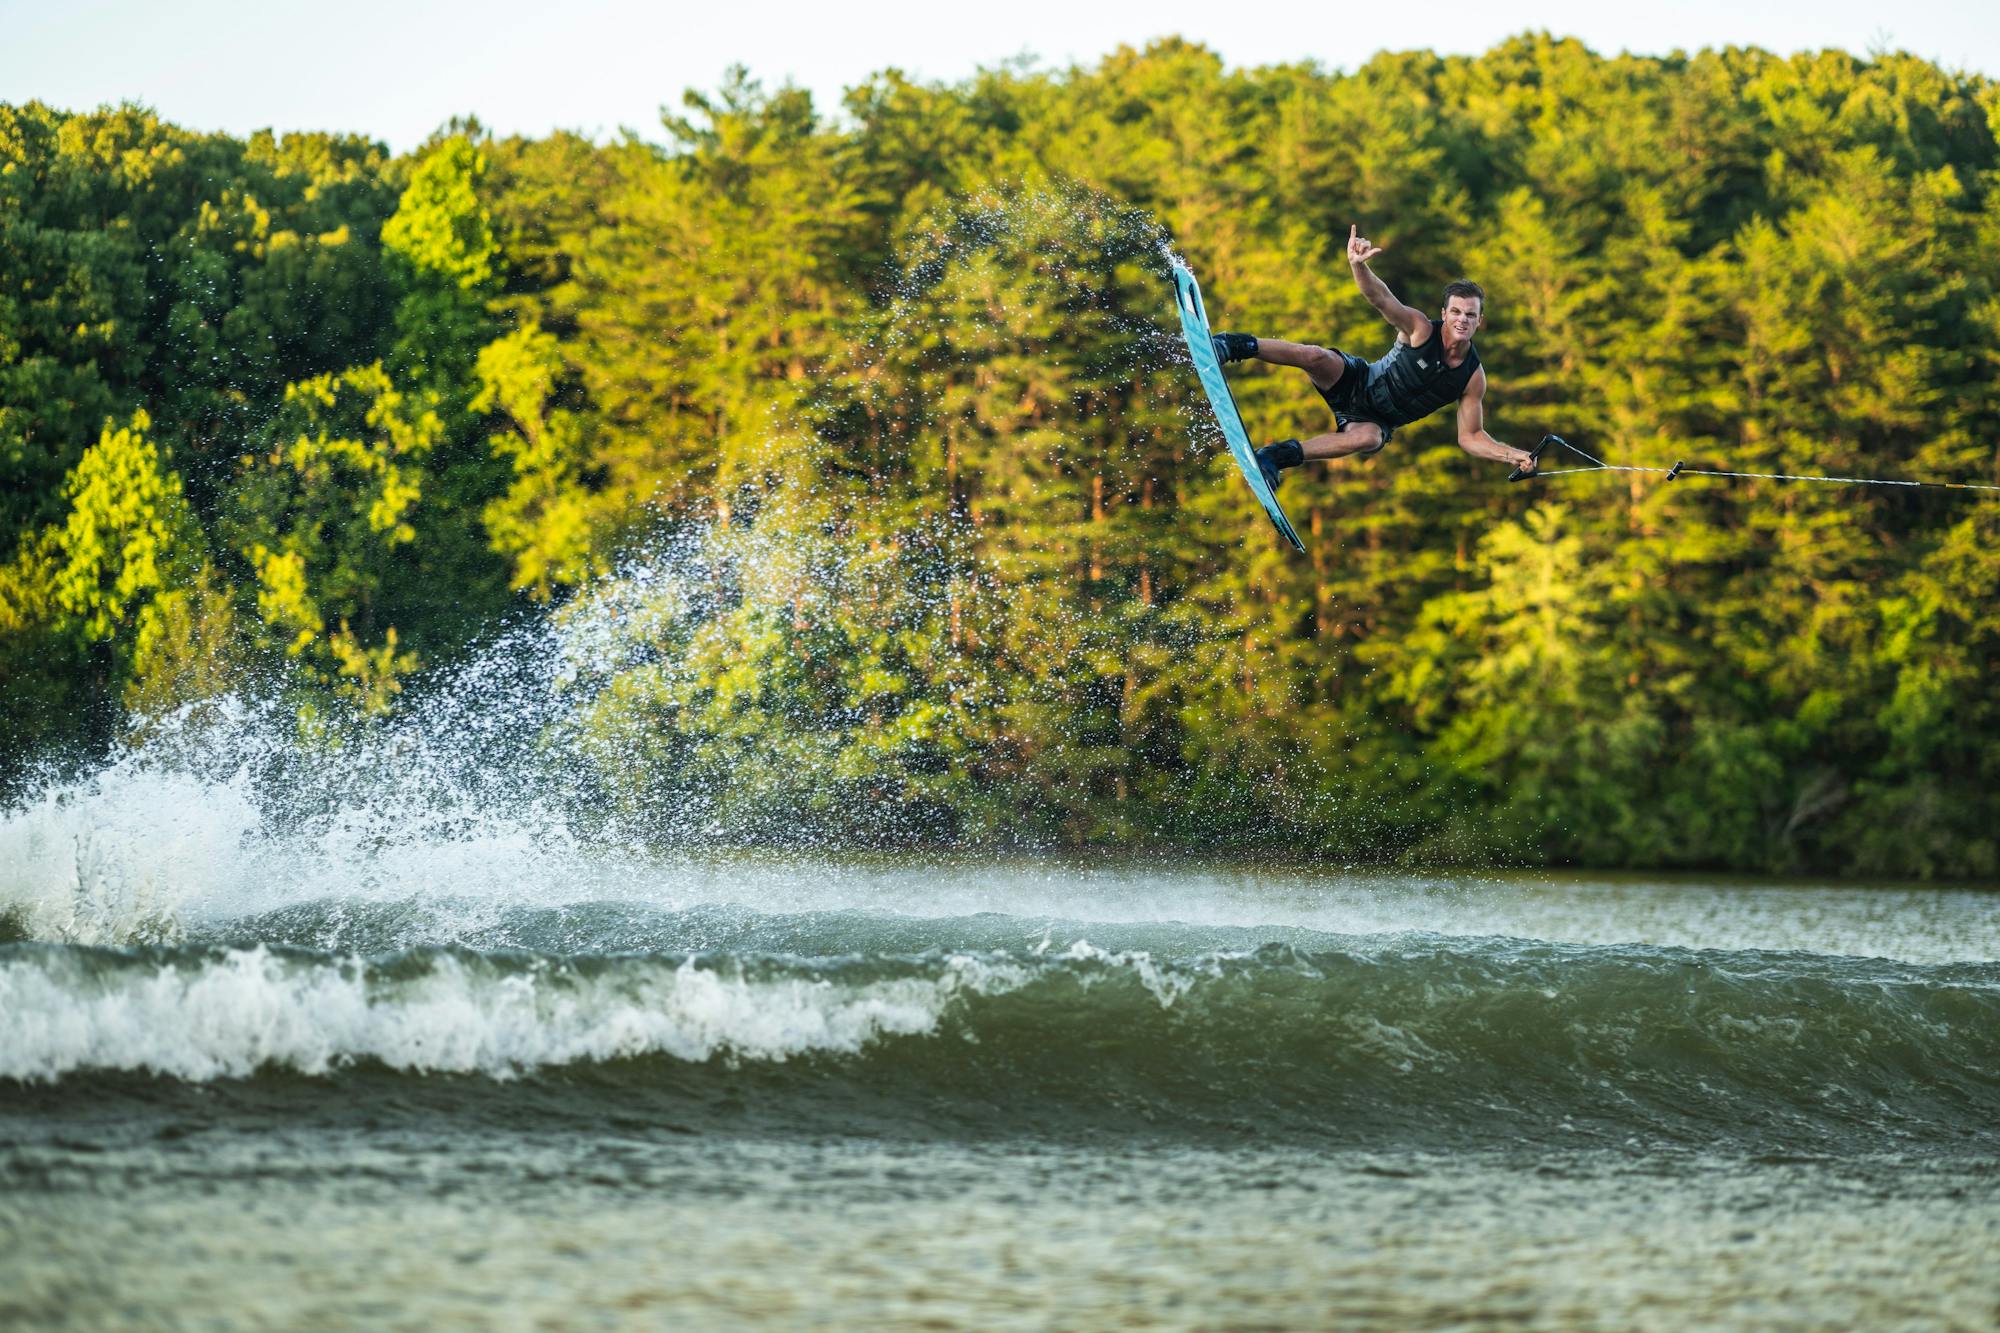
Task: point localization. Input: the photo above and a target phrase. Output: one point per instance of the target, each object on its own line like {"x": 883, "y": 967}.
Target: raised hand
{"x": 1359, "y": 248}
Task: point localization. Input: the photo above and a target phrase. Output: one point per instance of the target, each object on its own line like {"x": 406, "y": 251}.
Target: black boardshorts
{"x": 1345, "y": 399}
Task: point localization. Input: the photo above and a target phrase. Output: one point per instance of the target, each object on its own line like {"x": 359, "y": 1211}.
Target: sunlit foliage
{"x": 957, "y": 558}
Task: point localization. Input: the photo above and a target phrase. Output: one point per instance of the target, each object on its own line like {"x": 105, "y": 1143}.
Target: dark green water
{"x": 516, "y": 1086}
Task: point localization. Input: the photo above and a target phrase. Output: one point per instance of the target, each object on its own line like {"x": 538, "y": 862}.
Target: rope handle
{"x": 1534, "y": 462}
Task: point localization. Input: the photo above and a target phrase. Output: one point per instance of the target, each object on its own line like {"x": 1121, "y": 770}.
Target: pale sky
{"x": 398, "y": 69}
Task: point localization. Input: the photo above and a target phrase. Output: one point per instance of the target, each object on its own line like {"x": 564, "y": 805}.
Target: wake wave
{"x": 1423, "y": 1038}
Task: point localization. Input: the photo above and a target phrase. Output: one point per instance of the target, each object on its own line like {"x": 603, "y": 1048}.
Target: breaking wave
{"x": 1415, "y": 1037}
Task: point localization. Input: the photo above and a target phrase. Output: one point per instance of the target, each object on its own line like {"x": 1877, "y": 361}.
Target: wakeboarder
{"x": 1433, "y": 363}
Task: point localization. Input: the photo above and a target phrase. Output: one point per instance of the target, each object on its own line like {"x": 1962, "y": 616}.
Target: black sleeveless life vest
{"x": 1409, "y": 383}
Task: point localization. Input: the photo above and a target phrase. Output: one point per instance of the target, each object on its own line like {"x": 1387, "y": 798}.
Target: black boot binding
{"x": 1273, "y": 458}
{"x": 1233, "y": 347}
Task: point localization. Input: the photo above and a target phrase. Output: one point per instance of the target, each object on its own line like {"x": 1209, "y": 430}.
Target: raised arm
{"x": 1411, "y": 325}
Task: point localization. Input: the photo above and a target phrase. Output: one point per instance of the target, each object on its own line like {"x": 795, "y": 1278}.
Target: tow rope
{"x": 1681, "y": 469}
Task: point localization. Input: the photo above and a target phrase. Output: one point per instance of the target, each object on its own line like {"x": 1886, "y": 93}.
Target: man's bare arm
{"x": 1411, "y": 324}
{"x": 1472, "y": 436}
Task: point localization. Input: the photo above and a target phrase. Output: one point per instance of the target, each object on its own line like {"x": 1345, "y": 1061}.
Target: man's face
{"x": 1462, "y": 317}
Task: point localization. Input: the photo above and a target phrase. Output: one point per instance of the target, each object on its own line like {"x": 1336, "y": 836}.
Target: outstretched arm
{"x": 1472, "y": 436}
{"x": 1411, "y": 324}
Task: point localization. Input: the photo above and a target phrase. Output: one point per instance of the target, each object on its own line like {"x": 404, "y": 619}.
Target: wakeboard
{"x": 1201, "y": 346}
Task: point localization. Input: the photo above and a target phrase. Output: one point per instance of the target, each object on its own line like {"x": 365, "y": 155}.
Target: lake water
{"x": 309, "y": 1077}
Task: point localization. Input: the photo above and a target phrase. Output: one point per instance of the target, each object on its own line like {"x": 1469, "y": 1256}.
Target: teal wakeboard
{"x": 1200, "y": 344}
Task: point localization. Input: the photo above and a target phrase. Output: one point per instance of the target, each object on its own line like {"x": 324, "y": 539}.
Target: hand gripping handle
{"x": 1535, "y": 454}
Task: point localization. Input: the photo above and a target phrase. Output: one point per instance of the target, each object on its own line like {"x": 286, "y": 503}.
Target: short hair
{"x": 1465, "y": 287}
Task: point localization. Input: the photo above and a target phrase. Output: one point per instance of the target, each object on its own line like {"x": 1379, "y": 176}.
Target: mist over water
{"x": 526, "y": 774}
{"x": 486, "y": 786}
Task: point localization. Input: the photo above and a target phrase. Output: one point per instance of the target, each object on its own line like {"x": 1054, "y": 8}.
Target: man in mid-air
{"x": 1432, "y": 363}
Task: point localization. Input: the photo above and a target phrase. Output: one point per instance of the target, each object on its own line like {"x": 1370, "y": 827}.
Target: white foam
{"x": 232, "y": 814}
{"x": 231, "y": 1015}
{"x": 119, "y": 857}
{"x": 1162, "y": 984}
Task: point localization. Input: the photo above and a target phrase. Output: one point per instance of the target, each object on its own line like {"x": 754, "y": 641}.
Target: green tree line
{"x": 973, "y": 568}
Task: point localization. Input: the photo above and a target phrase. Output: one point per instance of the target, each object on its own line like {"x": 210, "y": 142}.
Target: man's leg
{"x": 1322, "y": 366}
{"x": 1325, "y": 368}
{"x": 1358, "y": 437}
